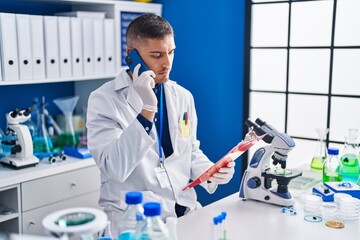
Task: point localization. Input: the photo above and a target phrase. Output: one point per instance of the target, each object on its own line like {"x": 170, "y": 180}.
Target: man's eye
{"x": 156, "y": 55}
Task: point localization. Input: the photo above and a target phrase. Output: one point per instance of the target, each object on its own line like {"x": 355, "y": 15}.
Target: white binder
{"x": 51, "y": 47}
{"x": 88, "y": 46}
{"x": 76, "y": 47}
{"x": 1, "y": 78}
{"x": 109, "y": 34}
{"x": 64, "y": 47}
{"x": 38, "y": 44}
{"x": 24, "y": 46}
{"x": 98, "y": 33}
{"x": 9, "y": 51}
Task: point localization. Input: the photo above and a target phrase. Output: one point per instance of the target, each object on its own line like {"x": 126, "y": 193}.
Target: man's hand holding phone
{"x": 144, "y": 85}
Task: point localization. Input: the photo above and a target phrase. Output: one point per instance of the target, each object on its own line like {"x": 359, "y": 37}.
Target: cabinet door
{"x": 32, "y": 220}
{"x": 48, "y": 190}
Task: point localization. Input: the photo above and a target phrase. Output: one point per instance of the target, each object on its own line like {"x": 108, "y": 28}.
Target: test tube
{"x": 215, "y": 228}
{"x": 224, "y": 227}
{"x": 220, "y": 232}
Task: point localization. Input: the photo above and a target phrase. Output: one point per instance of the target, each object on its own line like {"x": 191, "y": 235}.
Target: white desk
{"x": 259, "y": 221}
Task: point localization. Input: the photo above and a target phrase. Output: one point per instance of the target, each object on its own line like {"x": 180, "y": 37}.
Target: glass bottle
{"x": 320, "y": 155}
{"x": 129, "y": 219}
{"x": 349, "y": 159}
{"x": 152, "y": 228}
{"x": 332, "y": 167}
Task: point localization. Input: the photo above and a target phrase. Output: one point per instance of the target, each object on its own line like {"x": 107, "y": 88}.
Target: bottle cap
{"x": 133, "y": 197}
{"x": 333, "y": 151}
{"x": 152, "y": 209}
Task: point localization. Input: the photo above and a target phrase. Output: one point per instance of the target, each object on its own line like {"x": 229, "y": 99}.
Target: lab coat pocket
{"x": 184, "y": 128}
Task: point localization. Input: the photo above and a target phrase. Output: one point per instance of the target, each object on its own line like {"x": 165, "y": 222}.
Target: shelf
{"x": 55, "y": 80}
{"x": 4, "y": 218}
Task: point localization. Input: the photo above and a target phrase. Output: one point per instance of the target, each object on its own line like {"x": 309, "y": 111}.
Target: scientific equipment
{"x": 352, "y": 189}
{"x": 21, "y": 144}
{"x": 68, "y": 137}
{"x": 152, "y": 228}
{"x": 256, "y": 181}
{"x": 129, "y": 219}
{"x": 42, "y": 142}
{"x": 321, "y": 151}
{"x": 350, "y": 162}
{"x": 75, "y": 222}
{"x": 106, "y": 233}
{"x": 234, "y": 153}
{"x": 332, "y": 167}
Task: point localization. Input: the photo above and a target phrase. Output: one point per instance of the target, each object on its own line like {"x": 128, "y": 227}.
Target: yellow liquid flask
{"x": 320, "y": 155}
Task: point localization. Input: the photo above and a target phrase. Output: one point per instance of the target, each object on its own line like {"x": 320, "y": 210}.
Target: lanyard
{"x": 159, "y": 132}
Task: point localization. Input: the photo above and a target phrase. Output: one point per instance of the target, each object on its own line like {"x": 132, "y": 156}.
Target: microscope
{"x": 17, "y": 138}
{"x": 257, "y": 180}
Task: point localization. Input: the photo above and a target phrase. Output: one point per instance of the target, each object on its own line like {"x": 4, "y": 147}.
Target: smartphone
{"x": 133, "y": 59}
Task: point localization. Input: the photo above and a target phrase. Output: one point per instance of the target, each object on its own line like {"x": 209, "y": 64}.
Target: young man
{"x": 130, "y": 116}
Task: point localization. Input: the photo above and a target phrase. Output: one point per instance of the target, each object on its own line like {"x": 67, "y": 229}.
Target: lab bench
{"x": 257, "y": 221}
{"x": 34, "y": 192}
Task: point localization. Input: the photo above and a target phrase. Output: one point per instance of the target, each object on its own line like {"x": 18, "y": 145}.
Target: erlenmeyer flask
{"x": 349, "y": 159}
{"x": 321, "y": 152}
{"x": 68, "y": 137}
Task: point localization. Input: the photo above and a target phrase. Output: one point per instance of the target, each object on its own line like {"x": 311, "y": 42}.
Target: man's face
{"x": 158, "y": 55}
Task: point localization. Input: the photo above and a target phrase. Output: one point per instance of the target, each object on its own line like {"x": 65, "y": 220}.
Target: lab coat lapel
{"x": 124, "y": 81}
{"x": 134, "y": 100}
{"x": 171, "y": 103}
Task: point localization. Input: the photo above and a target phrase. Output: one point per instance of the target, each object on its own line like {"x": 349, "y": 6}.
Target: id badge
{"x": 162, "y": 177}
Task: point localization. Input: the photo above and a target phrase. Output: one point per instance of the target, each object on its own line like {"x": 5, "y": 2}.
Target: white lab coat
{"x": 127, "y": 156}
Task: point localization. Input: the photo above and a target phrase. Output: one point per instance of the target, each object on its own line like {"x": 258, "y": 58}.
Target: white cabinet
{"x": 35, "y": 192}
{"x": 10, "y": 220}
{"x": 42, "y": 196}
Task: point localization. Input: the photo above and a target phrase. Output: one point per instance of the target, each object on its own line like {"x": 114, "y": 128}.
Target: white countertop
{"x": 258, "y": 221}
{"x": 9, "y": 176}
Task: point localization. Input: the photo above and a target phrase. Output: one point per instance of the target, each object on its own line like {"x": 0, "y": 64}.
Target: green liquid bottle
{"x": 332, "y": 167}
{"x": 350, "y": 171}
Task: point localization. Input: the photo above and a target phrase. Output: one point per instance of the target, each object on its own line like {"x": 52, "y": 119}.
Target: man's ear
{"x": 128, "y": 49}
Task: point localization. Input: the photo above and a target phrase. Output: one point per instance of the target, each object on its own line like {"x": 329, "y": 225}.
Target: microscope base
{"x": 17, "y": 163}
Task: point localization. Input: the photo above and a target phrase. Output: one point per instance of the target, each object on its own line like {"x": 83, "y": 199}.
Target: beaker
{"x": 349, "y": 159}
{"x": 321, "y": 152}
{"x": 68, "y": 137}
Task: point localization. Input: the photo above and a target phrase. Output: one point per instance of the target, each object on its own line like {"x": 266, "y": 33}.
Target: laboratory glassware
{"x": 332, "y": 166}
{"x": 152, "y": 228}
{"x": 42, "y": 142}
{"x": 73, "y": 223}
{"x": 320, "y": 155}
{"x": 349, "y": 159}
{"x": 132, "y": 214}
{"x": 68, "y": 137}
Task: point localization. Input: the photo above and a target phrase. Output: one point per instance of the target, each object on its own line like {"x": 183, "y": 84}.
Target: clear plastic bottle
{"x": 152, "y": 228}
{"x": 106, "y": 233}
{"x": 129, "y": 219}
{"x": 332, "y": 166}
{"x": 349, "y": 160}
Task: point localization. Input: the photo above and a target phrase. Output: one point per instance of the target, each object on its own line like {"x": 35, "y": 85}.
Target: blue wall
{"x": 209, "y": 61}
